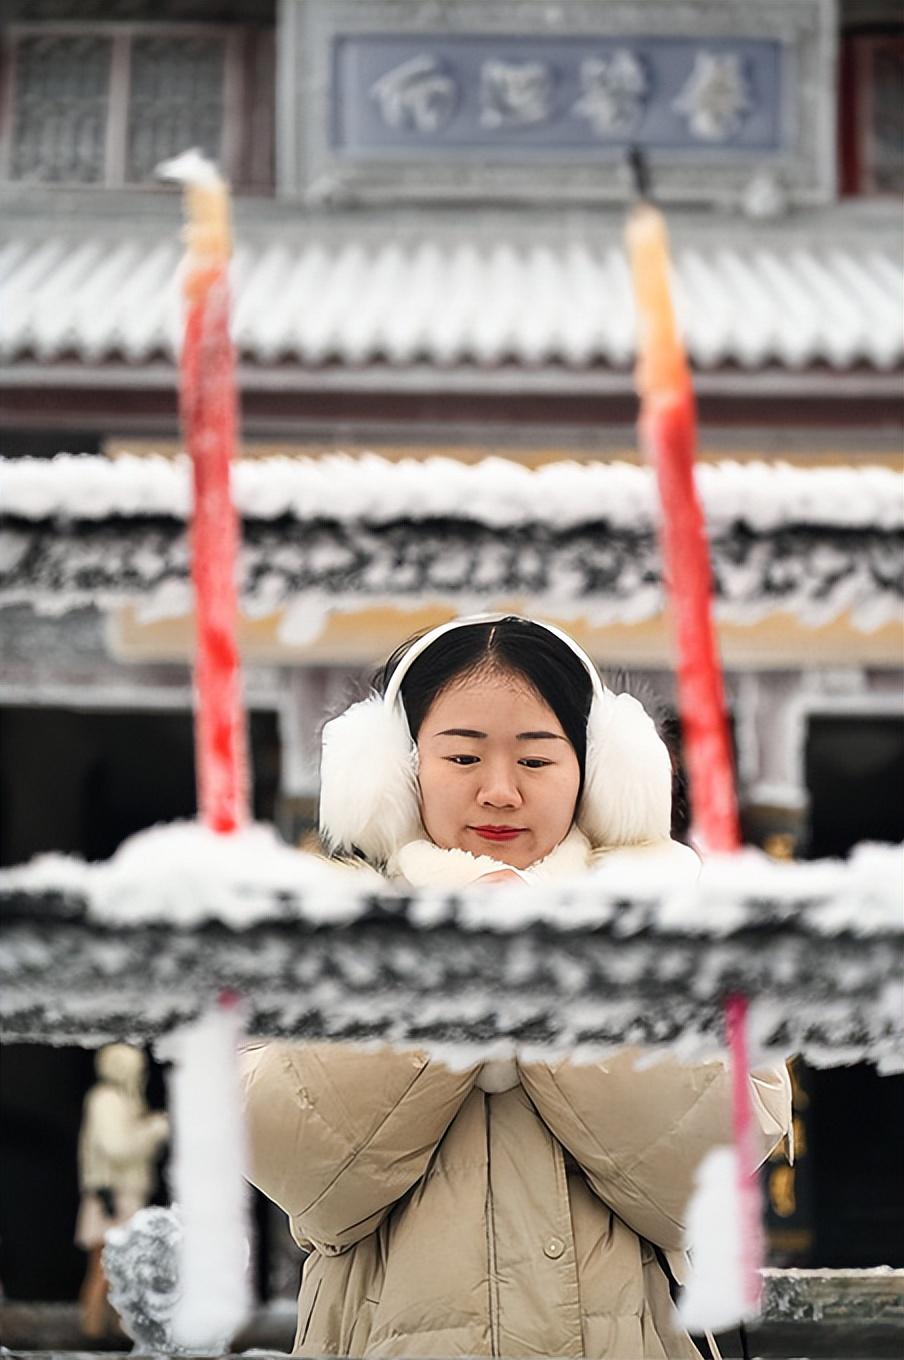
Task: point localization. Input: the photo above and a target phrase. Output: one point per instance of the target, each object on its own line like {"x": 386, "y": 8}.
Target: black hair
{"x": 515, "y": 645}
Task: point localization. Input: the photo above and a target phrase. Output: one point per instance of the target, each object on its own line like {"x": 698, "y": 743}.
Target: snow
{"x": 209, "y": 1162}
{"x": 816, "y": 946}
{"x": 496, "y": 492}
{"x": 486, "y": 293}
{"x": 833, "y": 1273}
{"x": 145, "y": 1248}
{"x": 717, "y": 1294}
{"x": 74, "y": 486}
{"x": 727, "y": 880}
{"x": 586, "y": 545}
{"x": 183, "y": 873}
{"x": 191, "y": 167}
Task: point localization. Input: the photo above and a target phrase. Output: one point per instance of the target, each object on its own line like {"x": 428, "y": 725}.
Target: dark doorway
{"x": 80, "y": 782}
{"x": 855, "y": 775}
{"x": 856, "y": 1118}
{"x": 24, "y": 443}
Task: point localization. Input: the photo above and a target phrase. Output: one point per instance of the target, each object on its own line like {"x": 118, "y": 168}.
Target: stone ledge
{"x": 835, "y": 1296}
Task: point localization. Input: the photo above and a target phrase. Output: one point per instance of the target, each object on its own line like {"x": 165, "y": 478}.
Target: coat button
{"x": 554, "y": 1246}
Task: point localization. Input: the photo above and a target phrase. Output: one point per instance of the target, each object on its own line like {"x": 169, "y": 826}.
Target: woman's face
{"x": 497, "y": 774}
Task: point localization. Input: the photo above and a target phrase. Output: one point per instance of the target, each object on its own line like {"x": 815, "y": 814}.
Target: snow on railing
{"x": 494, "y": 491}
{"x": 339, "y": 533}
{"x": 136, "y": 946}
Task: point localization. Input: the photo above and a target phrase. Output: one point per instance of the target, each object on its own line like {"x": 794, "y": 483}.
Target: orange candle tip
{"x": 208, "y": 233}
{"x": 662, "y": 369}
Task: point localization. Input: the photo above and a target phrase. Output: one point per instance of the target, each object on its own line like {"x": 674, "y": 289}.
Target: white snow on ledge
{"x": 817, "y": 948}
{"x": 494, "y": 492}
{"x": 184, "y": 874}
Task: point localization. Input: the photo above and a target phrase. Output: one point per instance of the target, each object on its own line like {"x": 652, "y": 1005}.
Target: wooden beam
{"x": 364, "y": 637}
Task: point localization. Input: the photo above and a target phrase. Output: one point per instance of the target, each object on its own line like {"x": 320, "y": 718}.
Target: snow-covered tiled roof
{"x": 315, "y": 296}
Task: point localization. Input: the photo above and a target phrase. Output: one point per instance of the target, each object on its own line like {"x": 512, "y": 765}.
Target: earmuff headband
{"x": 393, "y": 689}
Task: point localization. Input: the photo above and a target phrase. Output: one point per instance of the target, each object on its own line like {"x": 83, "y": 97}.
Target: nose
{"x": 499, "y": 788}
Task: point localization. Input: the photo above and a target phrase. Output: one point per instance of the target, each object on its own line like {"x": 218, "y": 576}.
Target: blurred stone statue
{"x": 119, "y": 1142}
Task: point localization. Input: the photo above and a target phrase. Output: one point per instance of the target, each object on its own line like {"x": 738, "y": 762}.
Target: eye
{"x": 463, "y": 760}
{"x": 534, "y": 762}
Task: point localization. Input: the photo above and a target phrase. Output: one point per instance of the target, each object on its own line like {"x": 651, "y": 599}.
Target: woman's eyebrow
{"x": 520, "y": 736}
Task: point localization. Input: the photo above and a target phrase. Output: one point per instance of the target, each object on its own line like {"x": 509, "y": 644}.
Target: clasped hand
{"x": 500, "y": 876}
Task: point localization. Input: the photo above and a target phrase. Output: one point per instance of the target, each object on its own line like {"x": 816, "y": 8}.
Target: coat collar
{"x": 421, "y": 864}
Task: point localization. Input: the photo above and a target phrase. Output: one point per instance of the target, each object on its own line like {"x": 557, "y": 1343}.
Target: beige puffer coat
{"x": 444, "y": 1220}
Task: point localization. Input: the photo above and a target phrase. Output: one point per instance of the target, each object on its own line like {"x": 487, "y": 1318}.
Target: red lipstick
{"x": 498, "y": 833}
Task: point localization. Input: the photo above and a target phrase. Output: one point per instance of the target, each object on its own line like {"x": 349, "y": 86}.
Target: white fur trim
{"x": 627, "y": 795}
{"x": 425, "y": 865}
{"x": 659, "y": 865}
{"x": 571, "y": 856}
{"x": 368, "y": 781}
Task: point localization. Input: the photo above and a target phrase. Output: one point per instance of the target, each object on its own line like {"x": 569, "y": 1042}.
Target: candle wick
{"x": 640, "y": 174}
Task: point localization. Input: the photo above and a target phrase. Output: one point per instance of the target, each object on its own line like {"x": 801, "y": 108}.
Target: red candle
{"x": 668, "y": 434}
{"x": 208, "y": 409}
{"x": 747, "y": 1151}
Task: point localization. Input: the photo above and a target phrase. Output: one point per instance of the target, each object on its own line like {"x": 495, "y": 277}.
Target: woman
{"x": 506, "y": 1209}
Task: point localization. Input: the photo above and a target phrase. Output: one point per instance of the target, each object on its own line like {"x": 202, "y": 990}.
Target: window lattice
{"x": 62, "y": 90}
{"x": 175, "y": 101}
{"x": 885, "y": 138}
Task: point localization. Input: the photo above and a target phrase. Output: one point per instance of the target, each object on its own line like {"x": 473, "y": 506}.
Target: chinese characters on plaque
{"x": 659, "y": 92}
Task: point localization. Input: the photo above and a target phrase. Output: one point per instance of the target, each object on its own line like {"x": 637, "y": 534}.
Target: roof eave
{"x": 820, "y": 383}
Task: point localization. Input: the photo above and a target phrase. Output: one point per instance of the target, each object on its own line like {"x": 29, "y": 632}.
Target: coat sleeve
{"x": 338, "y": 1134}
{"x": 639, "y": 1133}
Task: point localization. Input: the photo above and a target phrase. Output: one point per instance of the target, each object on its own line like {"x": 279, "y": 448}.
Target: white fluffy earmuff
{"x": 368, "y": 781}
{"x": 627, "y": 797}
{"x": 368, "y": 770}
